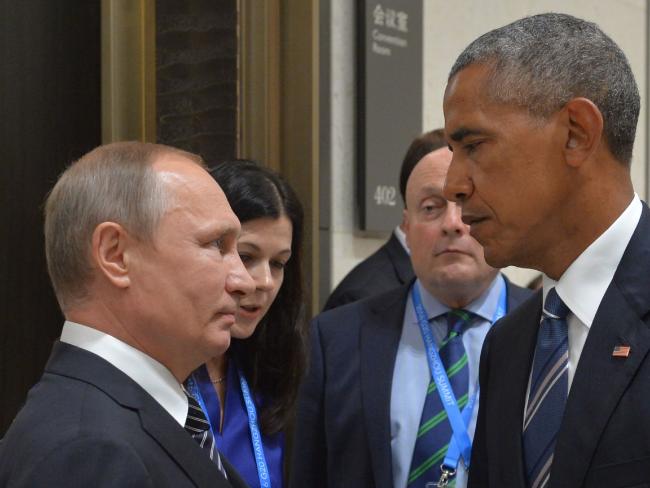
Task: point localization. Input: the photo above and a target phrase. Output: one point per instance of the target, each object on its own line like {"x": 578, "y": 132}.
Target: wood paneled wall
{"x": 50, "y": 116}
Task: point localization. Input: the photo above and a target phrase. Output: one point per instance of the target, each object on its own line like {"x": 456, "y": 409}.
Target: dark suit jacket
{"x": 604, "y": 439}
{"x": 87, "y": 424}
{"x": 388, "y": 268}
{"x": 342, "y": 436}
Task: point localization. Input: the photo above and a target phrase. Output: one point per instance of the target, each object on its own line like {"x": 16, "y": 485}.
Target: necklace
{"x": 218, "y": 380}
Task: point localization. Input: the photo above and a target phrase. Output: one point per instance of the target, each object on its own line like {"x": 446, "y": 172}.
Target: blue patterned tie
{"x": 198, "y": 426}
{"x": 435, "y": 431}
{"x": 549, "y": 383}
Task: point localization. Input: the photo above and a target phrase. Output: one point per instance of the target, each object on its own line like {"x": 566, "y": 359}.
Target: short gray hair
{"x": 112, "y": 183}
{"x": 541, "y": 62}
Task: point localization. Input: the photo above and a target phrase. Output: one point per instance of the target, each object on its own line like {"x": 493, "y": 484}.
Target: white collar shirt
{"x": 401, "y": 237}
{"x": 584, "y": 283}
{"x": 151, "y": 375}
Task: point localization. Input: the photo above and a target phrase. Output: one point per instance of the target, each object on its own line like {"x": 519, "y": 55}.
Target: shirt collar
{"x": 151, "y": 375}
{"x": 485, "y": 306}
{"x": 584, "y": 283}
{"x": 401, "y": 237}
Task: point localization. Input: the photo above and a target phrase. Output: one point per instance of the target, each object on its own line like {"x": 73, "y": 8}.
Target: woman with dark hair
{"x": 249, "y": 392}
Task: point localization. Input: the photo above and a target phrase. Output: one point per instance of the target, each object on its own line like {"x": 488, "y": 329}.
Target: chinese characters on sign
{"x": 390, "y": 19}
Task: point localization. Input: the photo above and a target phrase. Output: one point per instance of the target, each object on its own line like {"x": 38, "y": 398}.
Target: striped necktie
{"x": 198, "y": 426}
{"x": 435, "y": 431}
{"x": 548, "y": 390}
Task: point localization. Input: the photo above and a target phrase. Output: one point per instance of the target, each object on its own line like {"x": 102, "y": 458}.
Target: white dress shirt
{"x": 401, "y": 237}
{"x": 152, "y": 376}
{"x": 584, "y": 283}
{"x": 411, "y": 375}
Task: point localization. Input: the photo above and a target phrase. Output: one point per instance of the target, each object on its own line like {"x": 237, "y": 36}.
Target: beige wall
{"x": 448, "y": 28}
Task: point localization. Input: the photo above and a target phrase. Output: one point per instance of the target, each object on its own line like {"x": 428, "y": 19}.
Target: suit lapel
{"x": 516, "y": 294}
{"x": 73, "y": 362}
{"x": 513, "y": 354}
{"x": 234, "y": 477}
{"x": 379, "y": 338}
{"x": 598, "y": 384}
{"x": 400, "y": 259}
{"x": 600, "y": 379}
{"x": 181, "y": 447}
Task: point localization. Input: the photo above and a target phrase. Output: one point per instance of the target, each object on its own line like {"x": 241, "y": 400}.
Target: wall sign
{"x": 389, "y": 107}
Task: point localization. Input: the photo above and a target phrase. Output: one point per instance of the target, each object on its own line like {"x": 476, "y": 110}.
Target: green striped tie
{"x": 435, "y": 431}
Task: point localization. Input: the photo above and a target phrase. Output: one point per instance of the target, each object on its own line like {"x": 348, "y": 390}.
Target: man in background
{"x": 541, "y": 115}
{"x": 390, "y": 266}
{"x": 369, "y": 414}
{"x": 141, "y": 251}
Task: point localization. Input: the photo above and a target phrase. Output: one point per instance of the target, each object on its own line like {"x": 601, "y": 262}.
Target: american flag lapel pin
{"x": 621, "y": 351}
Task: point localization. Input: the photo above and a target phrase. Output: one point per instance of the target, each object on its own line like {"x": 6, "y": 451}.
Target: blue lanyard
{"x": 460, "y": 443}
{"x": 453, "y": 451}
{"x": 256, "y": 437}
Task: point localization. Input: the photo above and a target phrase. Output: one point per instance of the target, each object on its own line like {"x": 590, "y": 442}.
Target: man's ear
{"x": 585, "y": 130}
{"x": 109, "y": 244}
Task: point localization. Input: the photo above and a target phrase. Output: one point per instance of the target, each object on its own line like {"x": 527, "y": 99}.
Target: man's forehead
{"x": 223, "y": 221}
{"x": 183, "y": 178}
{"x": 468, "y": 108}
{"x": 429, "y": 189}
{"x": 470, "y": 87}
{"x": 436, "y": 161}
{"x": 207, "y": 215}
{"x": 176, "y": 168}
{"x": 429, "y": 174}
{"x": 194, "y": 192}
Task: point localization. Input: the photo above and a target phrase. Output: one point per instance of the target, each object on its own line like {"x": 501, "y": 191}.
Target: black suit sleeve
{"x": 83, "y": 462}
{"x": 338, "y": 298}
{"x": 478, "y": 471}
{"x": 309, "y": 457}
{"x": 234, "y": 478}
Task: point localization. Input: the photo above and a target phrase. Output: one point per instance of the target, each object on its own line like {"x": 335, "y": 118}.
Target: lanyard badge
{"x": 460, "y": 444}
{"x": 256, "y": 436}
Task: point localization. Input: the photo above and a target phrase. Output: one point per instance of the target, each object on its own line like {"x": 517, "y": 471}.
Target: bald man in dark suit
{"x": 390, "y": 266}
{"x": 141, "y": 250}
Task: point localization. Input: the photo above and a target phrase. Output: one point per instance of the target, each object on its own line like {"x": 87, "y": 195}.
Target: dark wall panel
{"x": 196, "y": 76}
{"x": 49, "y": 116}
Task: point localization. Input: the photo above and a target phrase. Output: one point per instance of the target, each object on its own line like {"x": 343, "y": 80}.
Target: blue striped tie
{"x": 435, "y": 431}
{"x": 198, "y": 426}
{"x": 549, "y": 383}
